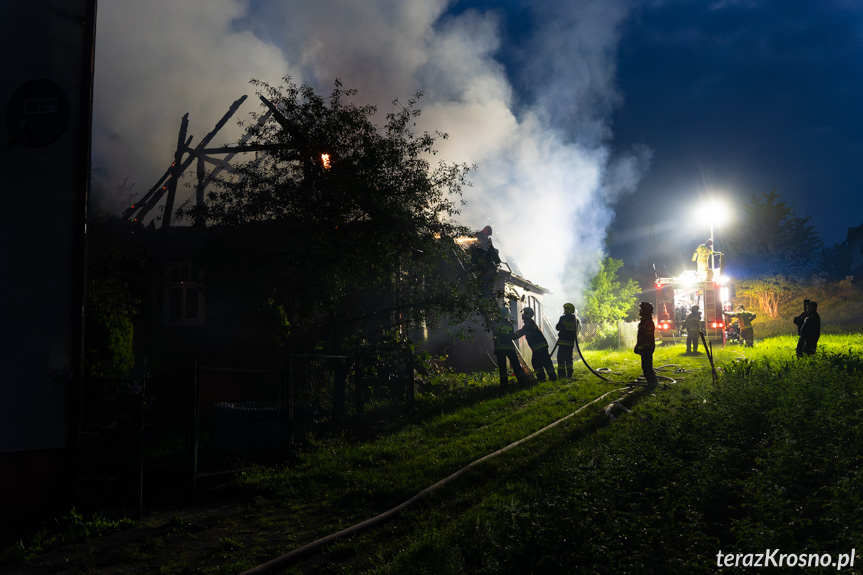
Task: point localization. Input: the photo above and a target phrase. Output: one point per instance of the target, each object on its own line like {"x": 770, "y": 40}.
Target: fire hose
{"x": 581, "y": 355}
{"x": 283, "y": 561}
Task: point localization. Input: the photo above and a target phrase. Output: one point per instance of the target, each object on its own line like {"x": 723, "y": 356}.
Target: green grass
{"x": 66, "y": 529}
{"x": 768, "y": 456}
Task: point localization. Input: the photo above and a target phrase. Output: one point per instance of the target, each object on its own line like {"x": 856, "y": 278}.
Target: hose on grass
{"x": 581, "y": 355}
{"x": 285, "y": 560}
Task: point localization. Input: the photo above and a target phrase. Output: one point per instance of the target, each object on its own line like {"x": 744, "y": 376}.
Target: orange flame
{"x": 325, "y": 160}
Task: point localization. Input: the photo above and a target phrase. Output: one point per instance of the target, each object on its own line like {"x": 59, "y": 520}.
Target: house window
{"x": 536, "y": 305}
{"x": 184, "y": 294}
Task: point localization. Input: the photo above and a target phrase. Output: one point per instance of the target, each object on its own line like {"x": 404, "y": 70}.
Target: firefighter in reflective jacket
{"x": 504, "y": 348}
{"x": 566, "y": 328}
{"x": 701, "y": 258}
{"x": 645, "y": 343}
{"x": 745, "y": 318}
{"x": 540, "y": 360}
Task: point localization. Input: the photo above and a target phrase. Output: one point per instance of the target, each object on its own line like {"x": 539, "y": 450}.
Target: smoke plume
{"x": 530, "y": 107}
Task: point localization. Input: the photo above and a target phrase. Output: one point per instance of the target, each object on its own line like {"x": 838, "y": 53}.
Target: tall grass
{"x": 770, "y": 457}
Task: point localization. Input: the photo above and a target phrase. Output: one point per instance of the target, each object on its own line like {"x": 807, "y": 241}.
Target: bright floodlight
{"x": 714, "y": 212}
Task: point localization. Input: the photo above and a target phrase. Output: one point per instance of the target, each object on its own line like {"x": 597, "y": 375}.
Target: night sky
{"x": 744, "y": 98}
{"x": 582, "y": 116}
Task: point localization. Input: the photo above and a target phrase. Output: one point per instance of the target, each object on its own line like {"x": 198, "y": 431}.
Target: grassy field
{"x": 767, "y": 457}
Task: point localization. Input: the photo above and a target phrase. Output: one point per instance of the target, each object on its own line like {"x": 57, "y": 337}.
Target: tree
{"x": 607, "y": 300}
{"x": 115, "y": 268}
{"x": 770, "y": 240}
{"x": 769, "y": 292}
{"x": 336, "y": 226}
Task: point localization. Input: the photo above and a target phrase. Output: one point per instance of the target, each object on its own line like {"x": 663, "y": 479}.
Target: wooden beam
{"x": 145, "y": 204}
{"x": 149, "y": 201}
{"x": 176, "y": 172}
{"x": 200, "y": 155}
{"x": 245, "y": 148}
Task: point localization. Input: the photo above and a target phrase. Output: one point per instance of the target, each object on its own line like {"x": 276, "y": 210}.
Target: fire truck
{"x": 676, "y": 295}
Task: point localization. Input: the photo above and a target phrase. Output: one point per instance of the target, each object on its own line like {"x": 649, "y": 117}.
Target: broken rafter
{"x": 176, "y": 171}
{"x": 152, "y": 197}
{"x": 203, "y": 182}
{"x": 178, "y": 167}
{"x": 201, "y": 155}
{"x": 244, "y": 148}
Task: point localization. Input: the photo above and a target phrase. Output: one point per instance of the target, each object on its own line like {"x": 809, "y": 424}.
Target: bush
{"x": 606, "y": 338}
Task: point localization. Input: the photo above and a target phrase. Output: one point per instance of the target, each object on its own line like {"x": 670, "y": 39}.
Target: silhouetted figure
{"x": 540, "y": 360}
{"x": 680, "y": 319}
{"x": 747, "y": 333}
{"x": 810, "y": 332}
{"x": 692, "y": 323}
{"x": 485, "y": 259}
{"x": 566, "y": 327}
{"x": 483, "y": 238}
{"x": 645, "y": 342}
{"x": 701, "y": 257}
{"x": 504, "y": 348}
{"x": 798, "y": 321}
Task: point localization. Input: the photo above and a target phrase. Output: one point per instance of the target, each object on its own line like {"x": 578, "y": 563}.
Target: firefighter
{"x": 540, "y": 360}
{"x": 483, "y": 238}
{"x": 693, "y": 328}
{"x": 645, "y": 343}
{"x": 745, "y": 318}
{"x": 504, "y": 348}
{"x": 810, "y": 331}
{"x": 566, "y": 327}
{"x": 701, "y": 257}
{"x": 485, "y": 259}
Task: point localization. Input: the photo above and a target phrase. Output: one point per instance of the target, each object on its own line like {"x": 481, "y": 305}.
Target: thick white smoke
{"x": 156, "y": 61}
{"x": 544, "y": 180}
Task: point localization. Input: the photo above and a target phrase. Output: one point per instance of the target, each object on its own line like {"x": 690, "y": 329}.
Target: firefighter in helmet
{"x": 485, "y": 259}
{"x": 701, "y": 257}
{"x": 540, "y": 360}
{"x": 567, "y": 327}
{"x": 504, "y": 348}
{"x": 645, "y": 343}
{"x": 747, "y": 334}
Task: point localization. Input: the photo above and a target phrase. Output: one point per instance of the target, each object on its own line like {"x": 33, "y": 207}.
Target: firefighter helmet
{"x": 708, "y": 243}
{"x": 694, "y": 308}
{"x": 646, "y": 306}
{"x": 568, "y": 308}
{"x": 527, "y": 312}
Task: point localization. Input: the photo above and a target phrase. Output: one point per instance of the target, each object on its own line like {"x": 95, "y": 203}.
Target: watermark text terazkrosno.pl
{"x": 773, "y": 558}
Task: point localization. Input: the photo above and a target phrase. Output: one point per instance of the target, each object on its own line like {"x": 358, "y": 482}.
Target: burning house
{"x": 197, "y": 319}
{"x": 468, "y": 346}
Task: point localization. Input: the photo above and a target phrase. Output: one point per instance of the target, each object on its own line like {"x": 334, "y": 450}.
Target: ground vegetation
{"x": 765, "y": 457}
